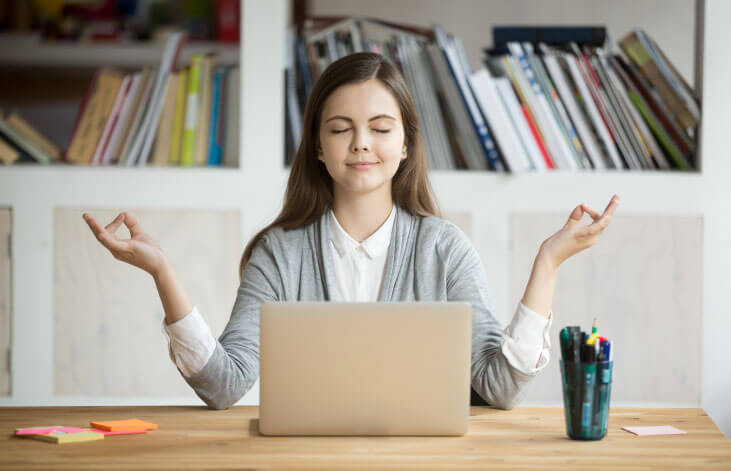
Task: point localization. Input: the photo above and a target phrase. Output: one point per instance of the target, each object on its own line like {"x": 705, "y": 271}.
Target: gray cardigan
{"x": 429, "y": 259}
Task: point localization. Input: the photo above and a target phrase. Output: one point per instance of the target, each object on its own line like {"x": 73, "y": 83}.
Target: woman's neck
{"x": 362, "y": 215}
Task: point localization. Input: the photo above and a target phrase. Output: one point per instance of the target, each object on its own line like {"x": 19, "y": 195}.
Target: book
{"x": 111, "y": 121}
{"x": 26, "y": 130}
{"x": 538, "y": 104}
{"x": 200, "y": 157}
{"x": 647, "y": 63}
{"x": 190, "y": 128}
{"x": 479, "y": 150}
{"x": 660, "y": 110}
{"x": 179, "y": 118}
{"x": 27, "y": 150}
{"x": 140, "y": 151}
{"x": 489, "y": 101}
{"x": 653, "y": 121}
{"x": 605, "y": 140}
{"x": 566, "y": 129}
{"x": 565, "y": 90}
{"x": 527, "y": 141}
{"x": 136, "y": 116}
{"x": 164, "y": 134}
{"x": 94, "y": 114}
{"x": 588, "y": 35}
{"x": 506, "y": 67}
{"x": 232, "y": 131}
{"x": 214, "y": 137}
{"x": 8, "y": 154}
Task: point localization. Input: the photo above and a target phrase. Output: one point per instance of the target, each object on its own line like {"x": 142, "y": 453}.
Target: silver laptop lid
{"x": 332, "y": 368}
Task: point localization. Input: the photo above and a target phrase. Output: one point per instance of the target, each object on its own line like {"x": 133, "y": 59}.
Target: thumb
{"x": 575, "y": 216}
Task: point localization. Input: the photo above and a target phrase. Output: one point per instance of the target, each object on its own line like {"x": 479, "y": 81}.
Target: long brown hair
{"x": 309, "y": 190}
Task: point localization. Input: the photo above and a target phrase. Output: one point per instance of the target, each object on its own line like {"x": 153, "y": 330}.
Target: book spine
{"x": 214, "y": 149}
{"x": 179, "y": 119}
{"x": 191, "y": 112}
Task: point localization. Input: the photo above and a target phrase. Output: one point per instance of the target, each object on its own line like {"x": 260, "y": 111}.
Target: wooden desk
{"x": 523, "y": 438}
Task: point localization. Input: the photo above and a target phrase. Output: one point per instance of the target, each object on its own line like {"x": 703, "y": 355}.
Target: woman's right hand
{"x": 140, "y": 250}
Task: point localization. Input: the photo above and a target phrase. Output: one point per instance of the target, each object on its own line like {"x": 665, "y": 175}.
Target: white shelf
{"x": 92, "y": 55}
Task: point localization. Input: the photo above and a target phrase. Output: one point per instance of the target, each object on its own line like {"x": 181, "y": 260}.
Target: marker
{"x": 594, "y": 335}
{"x": 588, "y": 361}
{"x": 564, "y": 338}
{"x": 604, "y": 373}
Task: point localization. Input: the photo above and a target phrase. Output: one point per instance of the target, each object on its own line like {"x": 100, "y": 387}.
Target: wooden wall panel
{"x": 642, "y": 280}
{"x": 108, "y": 315}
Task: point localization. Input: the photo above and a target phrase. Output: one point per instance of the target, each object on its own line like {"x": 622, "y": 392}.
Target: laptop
{"x": 376, "y": 368}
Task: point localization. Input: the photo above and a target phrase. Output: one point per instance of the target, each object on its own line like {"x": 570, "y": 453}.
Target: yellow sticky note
{"x": 68, "y": 437}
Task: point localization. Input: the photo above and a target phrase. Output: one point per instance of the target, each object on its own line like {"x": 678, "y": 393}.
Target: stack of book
{"x": 549, "y": 98}
{"x": 163, "y": 116}
{"x": 21, "y": 142}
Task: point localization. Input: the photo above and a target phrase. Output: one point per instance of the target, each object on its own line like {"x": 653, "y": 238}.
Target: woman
{"x": 359, "y": 223}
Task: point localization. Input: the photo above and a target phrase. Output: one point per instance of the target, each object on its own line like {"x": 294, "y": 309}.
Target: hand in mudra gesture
{"x": 139, "y": 250}
{"x": 572, "y": 237}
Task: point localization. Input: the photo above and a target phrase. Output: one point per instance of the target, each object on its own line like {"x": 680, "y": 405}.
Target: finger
{"x": 107, "y": 240}
{"x": 96, "y": 228}
{"x": 575, "y": 215}
{"x": 612, "y": 205}
{"x": 609, "y": 211}
{"x": 132, "y": 224}
{"x": 601, "y": 223}
{"x": 114, "y": 225}
{"x": 594, "y": 215}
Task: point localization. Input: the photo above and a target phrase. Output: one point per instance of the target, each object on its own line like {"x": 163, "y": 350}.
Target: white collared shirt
{"x": 359, "y": 270}
{"x": 359, "y": 265}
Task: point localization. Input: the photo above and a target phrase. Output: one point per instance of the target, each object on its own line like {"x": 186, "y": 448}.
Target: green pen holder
{"x": 587, "y": 388}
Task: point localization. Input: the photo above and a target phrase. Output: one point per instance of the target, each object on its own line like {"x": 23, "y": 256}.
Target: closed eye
{"x": 338, "y": 131}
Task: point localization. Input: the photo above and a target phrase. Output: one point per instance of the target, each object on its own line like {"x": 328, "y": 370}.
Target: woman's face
{"x": 361, "y": 137}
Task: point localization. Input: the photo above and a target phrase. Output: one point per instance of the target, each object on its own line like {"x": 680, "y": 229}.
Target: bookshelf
{"x": 42, "y": 55}
{"x": 256, "y": 189}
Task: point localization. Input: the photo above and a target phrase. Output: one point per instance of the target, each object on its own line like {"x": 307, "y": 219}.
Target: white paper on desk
{"x": 655, "y": 430}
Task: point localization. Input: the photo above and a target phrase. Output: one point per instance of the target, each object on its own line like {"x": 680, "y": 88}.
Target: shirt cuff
{"x": 526, "y": 342}
{"x": 191, "y": 342}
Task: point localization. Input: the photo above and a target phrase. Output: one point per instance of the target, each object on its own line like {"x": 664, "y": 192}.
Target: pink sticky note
{"x": 655, "y": 430}
{"x": 119, "y": 432}
{"x": 46, "y": 431}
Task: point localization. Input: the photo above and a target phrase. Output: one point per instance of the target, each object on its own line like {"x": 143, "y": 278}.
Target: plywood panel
{"x": 642, "y": 280}
{"x": 108, "y": 315}
{"x": 462, "y": 219}
{"x": 5, "y": 299}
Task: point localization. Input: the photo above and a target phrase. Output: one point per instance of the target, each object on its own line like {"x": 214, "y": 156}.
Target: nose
{"x": 359, "y": 143}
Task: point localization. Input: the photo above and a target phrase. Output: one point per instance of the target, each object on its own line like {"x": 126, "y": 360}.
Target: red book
{"x": 228, "y": 20}
{"x": 537, "y": 137}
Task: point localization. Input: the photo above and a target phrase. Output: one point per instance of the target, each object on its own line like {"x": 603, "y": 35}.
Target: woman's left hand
{"x": 572, "y": 237}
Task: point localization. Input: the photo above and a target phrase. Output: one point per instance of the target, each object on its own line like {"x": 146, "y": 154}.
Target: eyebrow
{"x": 371, "y": 119}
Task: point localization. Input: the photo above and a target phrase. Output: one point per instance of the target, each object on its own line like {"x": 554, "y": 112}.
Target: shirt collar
{"x": 375, "y": 245}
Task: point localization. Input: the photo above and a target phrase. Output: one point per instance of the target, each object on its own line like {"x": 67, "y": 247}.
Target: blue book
{"x": 458, "y": 70}
{"x": 214, "y": 144}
